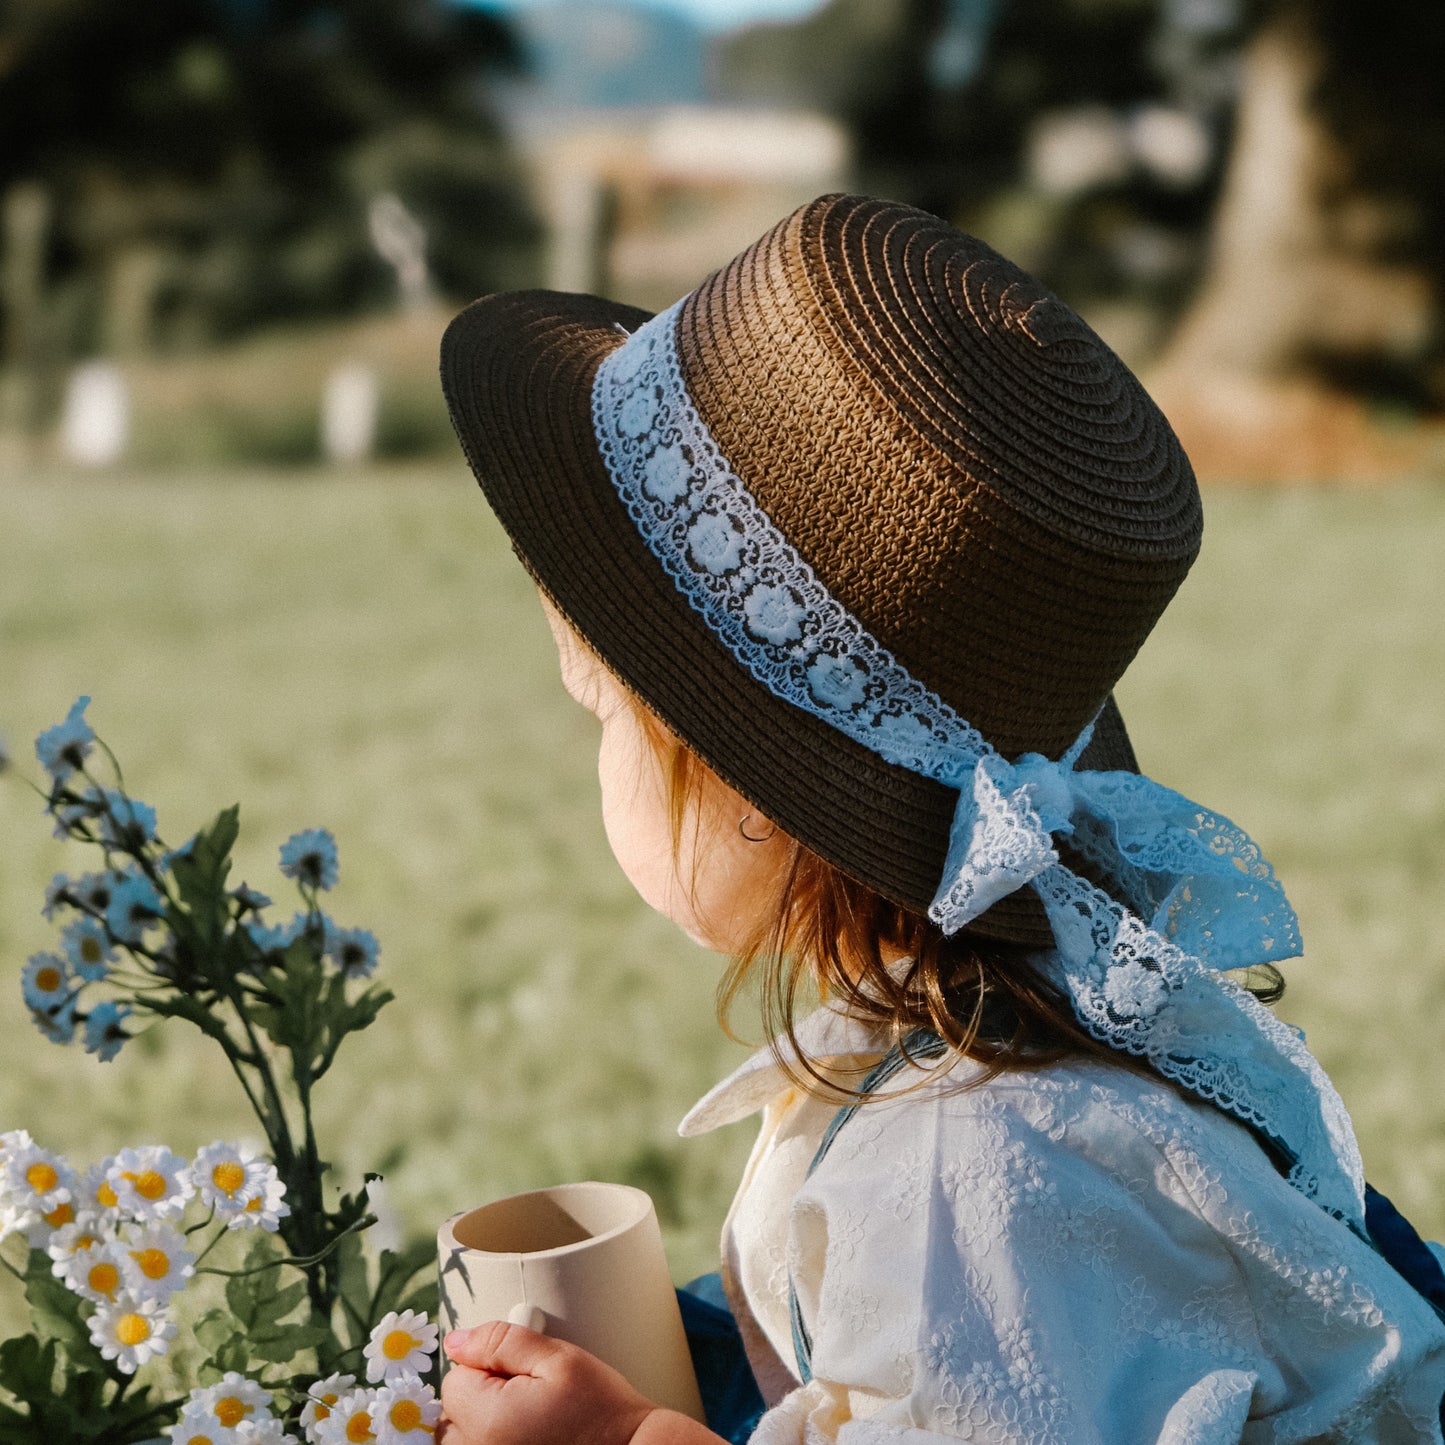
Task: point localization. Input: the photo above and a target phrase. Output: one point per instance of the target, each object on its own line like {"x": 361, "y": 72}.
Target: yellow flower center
{"x": 148, "y": 1184}
{"x": 133, "y": 1329}
{"x": 90, "y": 949}
{"x": 358, "y": 1428}
{"x": 105, "y": 1196}
{"x": 154, "y": 1263}
{"x": 61, "y": 1214}
{"x": 253, "y": 1206}
{"x": 399, "y": 1344}
{"x": 103, "y": 1277}
{"x": 320, "y": 1411}
{"x": 228, "y": 1176}
{"x": 83, "y": 1241}
{"x": 406, "y": 1415}
{"x": 197, "y": 1440}
{"x": 230, "y": 1411}
{"x": 47, "y": 979}
{"x": 41, "y": 1177}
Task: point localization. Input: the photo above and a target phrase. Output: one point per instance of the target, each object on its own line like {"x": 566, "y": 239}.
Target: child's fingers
{"x": 502, "y": 1349}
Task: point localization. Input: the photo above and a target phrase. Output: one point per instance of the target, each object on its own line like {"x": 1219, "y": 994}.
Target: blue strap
{"x": 920, "y": 1044}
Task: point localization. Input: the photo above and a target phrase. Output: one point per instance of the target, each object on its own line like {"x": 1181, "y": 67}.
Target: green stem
{"x": 12, "y": 1269}
{"x": 299, "y": 1261}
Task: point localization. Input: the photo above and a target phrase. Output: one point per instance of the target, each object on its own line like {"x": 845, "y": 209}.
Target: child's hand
{"x": 512, "y": 1386}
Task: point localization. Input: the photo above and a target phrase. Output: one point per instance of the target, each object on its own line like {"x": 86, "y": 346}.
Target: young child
{"x": 847, "y": 550}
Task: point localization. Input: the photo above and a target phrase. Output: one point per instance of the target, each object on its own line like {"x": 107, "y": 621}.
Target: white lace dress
{"x": 1073, "y": 1255}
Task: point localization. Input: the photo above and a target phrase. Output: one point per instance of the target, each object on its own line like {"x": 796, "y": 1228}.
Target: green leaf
{"x": 294, "y": 1021}
{"x": 27, "y": 1367}
{"x": 200, "y": 875}
{"x": 398, "y": 1269}
{"x": 193, "y": 1010}
{"x": 347, "y": 1016}
{"x": 55, "y": 1313}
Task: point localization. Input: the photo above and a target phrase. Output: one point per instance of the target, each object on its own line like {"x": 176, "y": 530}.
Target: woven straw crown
{"x": 959, "y": 458}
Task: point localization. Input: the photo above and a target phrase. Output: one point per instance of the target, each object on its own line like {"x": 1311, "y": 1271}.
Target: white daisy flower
{"x": 57, "y": 1023}
{"x": 263, "y": 1209}
{"x": 169, "y": 857}
{"x": 13, "y": 1220}
{"x": 266, "y": 1431}
{"x": 275, "y": 939}
{"x": 45, "y": 982}
{"x": 150, "y": 1183}
{"x": 105, "y": 1032}
{"x": 14, "y": 1139}
{"x": 69, "y": 815}
{"x": 134, "y": 907}
{"x": 88, "y": 947}
{"x": 41, "y": 1228}
{"x": 97, "y": 1273}
{"x": 91, "y": 892}
{"x": 249, "y": 900}
{"x": 64, "y": 748}
{"x": 349, "y": 1422}
{"x": 157, "y": 1262}
{"x": 227, "y": 1175}
{"x": 310, "y": 857}
{"x": 230, "y": 1401}
{"x": 125, "y": 822}
{"x": 37, "y": 1180}
{"x": 95, "y": 1194}
{"x": 57, "y": 896}
{"x": 321, "y": 1397}
{"x": 406, "y": 1412}
{"x": 78, "y": 1237}
{"x": 199, "y": 1428}
{"x": 354, "y": 951}
{"x": 402, "y": 1343}
{"x": 131, "y": 1331}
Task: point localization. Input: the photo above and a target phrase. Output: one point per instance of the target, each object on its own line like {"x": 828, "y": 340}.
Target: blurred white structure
{"x": 1072, "y": 151}
{"x": 96, "y": 422}
{"x": 1172, "y": 145}
{"x": 400, "y": 240}
{"x": 349, "y": 406}
{"x": 1078, "y": 150}
{"x": 643, "y": 204}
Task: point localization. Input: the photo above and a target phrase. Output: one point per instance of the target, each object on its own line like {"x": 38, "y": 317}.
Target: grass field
{"x": 361, "y": 652}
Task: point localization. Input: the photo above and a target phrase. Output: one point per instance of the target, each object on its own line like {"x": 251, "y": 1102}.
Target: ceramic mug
{"x": 582, "y": 1263}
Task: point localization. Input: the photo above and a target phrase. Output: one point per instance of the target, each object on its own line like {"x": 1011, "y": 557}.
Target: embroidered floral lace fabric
{"x": 1075, "y": 1256}
{"x": 1143, "y": 979}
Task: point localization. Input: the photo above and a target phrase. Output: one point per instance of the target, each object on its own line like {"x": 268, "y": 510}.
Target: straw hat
{"x": 959, "y": 459}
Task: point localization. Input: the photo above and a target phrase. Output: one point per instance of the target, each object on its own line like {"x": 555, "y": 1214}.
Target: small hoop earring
{"x": 743, "y": 829}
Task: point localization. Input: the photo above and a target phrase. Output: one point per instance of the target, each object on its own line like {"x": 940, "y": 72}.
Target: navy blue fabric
{"x": 731, "y": 1400}
{"x": 1396, "y": 1239}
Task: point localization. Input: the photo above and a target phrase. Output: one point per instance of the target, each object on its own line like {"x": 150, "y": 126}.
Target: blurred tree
{"x": 1327, "y": 254}
{"x": 1271, "y": 170}
{"x": 210, "y": 162}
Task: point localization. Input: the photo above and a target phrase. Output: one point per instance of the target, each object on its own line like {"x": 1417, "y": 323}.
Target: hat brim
{"x": 517, "y": 371}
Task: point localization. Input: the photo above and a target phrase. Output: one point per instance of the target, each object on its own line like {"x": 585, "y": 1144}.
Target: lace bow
{"x": 1199, "y": 879}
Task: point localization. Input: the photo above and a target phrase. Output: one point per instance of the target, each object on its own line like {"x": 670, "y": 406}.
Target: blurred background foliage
{"x": 1244, "y": 196}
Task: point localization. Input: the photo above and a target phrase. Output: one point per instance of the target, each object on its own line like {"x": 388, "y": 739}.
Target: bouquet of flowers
{"x": 249, "y": 1301}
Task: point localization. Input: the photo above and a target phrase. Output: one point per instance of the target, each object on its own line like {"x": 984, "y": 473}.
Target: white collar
{"x": 827, "y": 1036}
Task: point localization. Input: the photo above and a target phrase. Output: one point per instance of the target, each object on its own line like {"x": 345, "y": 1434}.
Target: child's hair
{"x": 828, "y": 935}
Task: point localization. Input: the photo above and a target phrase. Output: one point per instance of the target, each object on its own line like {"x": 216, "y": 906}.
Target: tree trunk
{"x": 1296, "y": 288}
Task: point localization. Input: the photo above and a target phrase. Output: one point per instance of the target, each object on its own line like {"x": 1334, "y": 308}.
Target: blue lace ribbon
{"x": 1142, "y": 973}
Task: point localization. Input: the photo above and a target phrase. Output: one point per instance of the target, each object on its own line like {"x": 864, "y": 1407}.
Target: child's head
{"x": 870, "y": 524}
{"x": 701, "y": 855}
